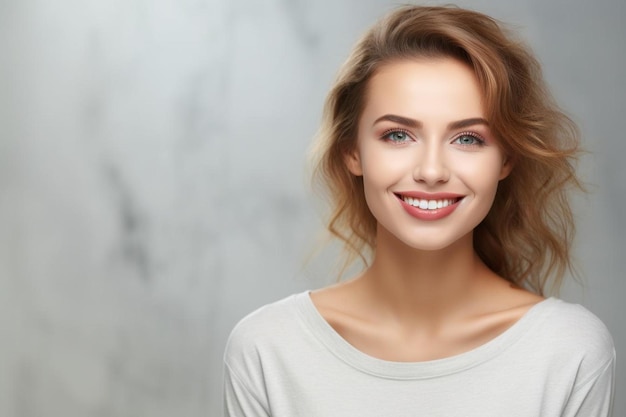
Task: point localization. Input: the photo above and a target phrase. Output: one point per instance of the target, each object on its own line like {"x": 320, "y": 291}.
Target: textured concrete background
{"x": 152, "y": 189}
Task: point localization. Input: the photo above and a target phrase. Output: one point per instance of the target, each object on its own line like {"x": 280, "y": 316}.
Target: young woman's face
{"x": 429, "y": 162}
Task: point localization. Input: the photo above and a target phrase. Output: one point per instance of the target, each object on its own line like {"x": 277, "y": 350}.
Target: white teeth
{"x": 428, "y": 204}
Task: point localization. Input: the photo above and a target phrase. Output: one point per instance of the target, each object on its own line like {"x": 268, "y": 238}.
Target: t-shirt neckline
{"x": 349, "y": 354}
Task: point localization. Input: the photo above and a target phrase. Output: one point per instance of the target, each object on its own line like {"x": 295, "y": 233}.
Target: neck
{"x": 412, "y": 285}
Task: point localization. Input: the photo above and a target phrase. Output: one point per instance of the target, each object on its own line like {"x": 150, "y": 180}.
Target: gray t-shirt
{"x": 285, "y": 360}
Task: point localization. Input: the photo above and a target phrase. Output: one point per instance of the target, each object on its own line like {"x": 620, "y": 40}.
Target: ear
{"x": 352, "y": 160}
{"x": 507, "y": 167}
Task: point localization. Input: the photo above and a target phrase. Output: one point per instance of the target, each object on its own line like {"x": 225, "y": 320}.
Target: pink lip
{"x": 435, "y": 214}
{"x": 429, "y": 196}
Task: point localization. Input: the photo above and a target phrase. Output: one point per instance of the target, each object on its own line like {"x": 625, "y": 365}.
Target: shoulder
{"x": 257, "y": 331}
{"x": 570, "y": 332}
{"x": 574, "y": 323}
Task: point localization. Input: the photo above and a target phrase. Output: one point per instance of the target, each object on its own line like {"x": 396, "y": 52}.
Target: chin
{"x": 433, "y": 246}
{"x": 430, "y": 241}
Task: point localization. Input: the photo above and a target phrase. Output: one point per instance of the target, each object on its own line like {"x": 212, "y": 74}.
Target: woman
{"x": 447, "y": 166}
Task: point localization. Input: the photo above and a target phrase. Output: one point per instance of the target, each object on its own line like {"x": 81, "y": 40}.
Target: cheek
{"x": 381, "y": 169}
{"x": 482, "y": 177}
{"x": 486, "y": 169}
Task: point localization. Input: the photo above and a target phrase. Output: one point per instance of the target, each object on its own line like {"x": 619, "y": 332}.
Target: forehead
{"x": 425, "y": 89}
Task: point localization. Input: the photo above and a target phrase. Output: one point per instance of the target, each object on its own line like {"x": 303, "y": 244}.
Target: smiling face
{"x": 429, "y": 162}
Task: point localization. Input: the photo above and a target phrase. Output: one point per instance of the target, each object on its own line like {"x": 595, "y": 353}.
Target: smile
{"x": 429, "y": 207}
{"x": 429, "y": 204}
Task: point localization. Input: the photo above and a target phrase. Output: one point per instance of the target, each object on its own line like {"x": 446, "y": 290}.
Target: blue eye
{"x": 397, "y": 136}
{"x": 467, "y": 139}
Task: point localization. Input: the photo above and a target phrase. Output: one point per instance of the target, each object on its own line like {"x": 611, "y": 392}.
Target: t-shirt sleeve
{"x": 592, "y": 392}
{"x": 239, "y": 398}
{"x": 244, "y": 381}
{"x": 593, "y": 398}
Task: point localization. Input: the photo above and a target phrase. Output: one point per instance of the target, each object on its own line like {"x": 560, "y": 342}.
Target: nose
{"x": 431, "y": 167}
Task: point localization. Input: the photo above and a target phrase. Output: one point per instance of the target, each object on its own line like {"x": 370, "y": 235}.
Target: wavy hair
{"x": 526, "y": 237}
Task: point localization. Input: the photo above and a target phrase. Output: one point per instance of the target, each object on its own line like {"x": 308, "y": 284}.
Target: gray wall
{"x": 152, "y": 189}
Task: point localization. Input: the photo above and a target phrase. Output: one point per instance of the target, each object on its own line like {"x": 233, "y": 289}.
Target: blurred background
{"x": 153, "y": 188}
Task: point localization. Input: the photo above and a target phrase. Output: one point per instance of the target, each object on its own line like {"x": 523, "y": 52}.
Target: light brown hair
{"x": 527, "y": 235}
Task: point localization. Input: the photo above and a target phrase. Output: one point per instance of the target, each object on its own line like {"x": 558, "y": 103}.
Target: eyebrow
{"x": 458, "y": 124}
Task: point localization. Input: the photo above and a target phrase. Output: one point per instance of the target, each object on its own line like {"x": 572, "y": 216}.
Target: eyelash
{"x": 479, "y": 140}
{"x": 387, "y": 133}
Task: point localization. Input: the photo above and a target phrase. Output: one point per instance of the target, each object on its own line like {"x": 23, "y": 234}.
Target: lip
{"x": 428, "y": 196}
{"x": 429, "y": 215}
